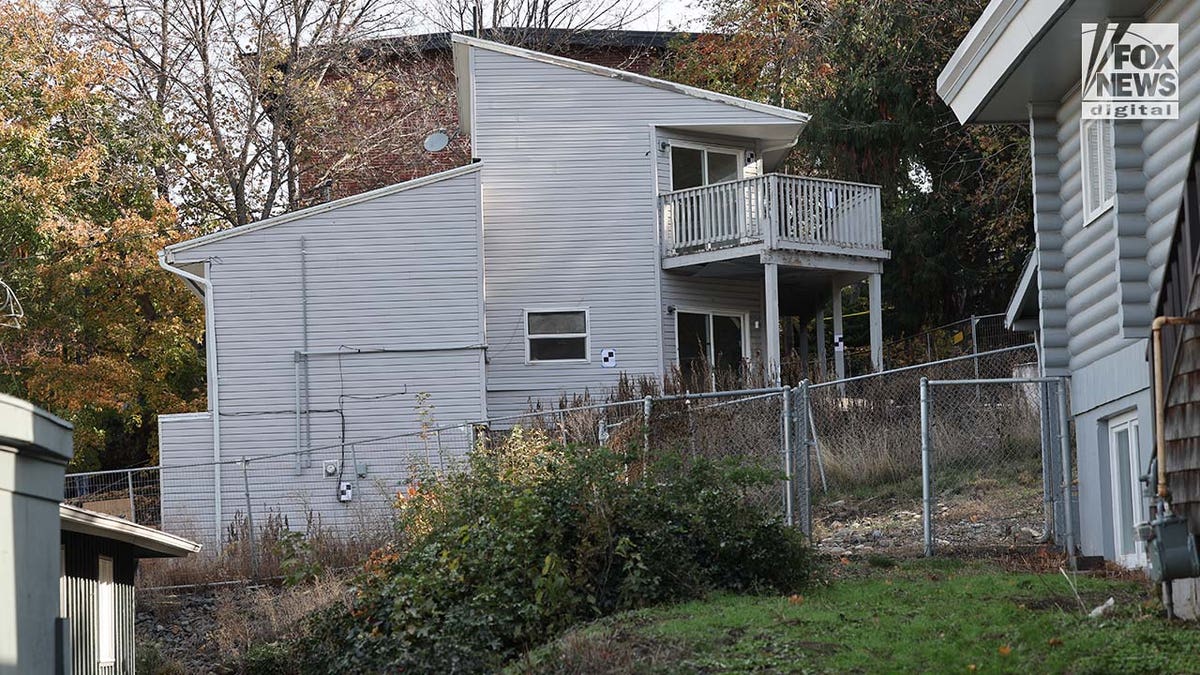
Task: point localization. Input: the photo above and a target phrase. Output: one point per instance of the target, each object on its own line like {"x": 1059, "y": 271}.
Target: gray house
{"x": 611, "y": 223}
{"x": 1107, "y": 196}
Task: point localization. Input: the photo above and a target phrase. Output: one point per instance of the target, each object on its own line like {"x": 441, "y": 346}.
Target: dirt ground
{"x": 986, "y": 516}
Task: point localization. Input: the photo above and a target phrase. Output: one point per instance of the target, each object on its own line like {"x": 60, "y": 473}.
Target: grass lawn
{"x": 918, "y": 616}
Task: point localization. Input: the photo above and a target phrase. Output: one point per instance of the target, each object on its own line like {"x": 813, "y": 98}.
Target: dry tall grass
{"x": 278, "y": 551}
{"x": 256, "y": 616}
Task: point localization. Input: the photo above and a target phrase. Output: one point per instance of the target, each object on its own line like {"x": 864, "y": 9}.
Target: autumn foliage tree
{"x": 957, "y": 213}
{"x": 107, "y": 341}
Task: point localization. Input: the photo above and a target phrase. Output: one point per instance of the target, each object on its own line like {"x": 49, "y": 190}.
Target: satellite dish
{"x": 437, "y": 141}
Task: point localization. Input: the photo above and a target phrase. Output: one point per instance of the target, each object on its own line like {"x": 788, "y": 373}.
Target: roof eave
{"x": 695, "y": 92}
{"x": 995, "y": 46}
{"x": 1016, "y": 315}
{"x": 155, "y": 543}
{"x": 171, "y": 250}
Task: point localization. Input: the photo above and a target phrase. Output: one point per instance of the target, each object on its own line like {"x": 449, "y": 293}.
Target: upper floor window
{"x": 1098, "y": 168}
{"x": 556, "y": 335}
{"x": 693, "y": 165}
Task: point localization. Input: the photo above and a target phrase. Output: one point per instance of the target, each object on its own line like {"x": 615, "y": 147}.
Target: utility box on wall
{"x": 1172, "y": 549}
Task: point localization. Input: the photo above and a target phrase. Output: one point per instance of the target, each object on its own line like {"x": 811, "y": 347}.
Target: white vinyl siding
{"x": 570, "y": 208}
{"x": 383, "y": 277}
{"x": 1099, "y": 171}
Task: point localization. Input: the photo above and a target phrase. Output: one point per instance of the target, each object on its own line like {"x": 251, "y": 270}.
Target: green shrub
{"x": 272, "y": 658}
{"x": 149, "y": 659}
{"x": 534, "y": 538}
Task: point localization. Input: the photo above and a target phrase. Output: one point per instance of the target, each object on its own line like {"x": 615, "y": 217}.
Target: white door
{"x": 1129, "y": 508}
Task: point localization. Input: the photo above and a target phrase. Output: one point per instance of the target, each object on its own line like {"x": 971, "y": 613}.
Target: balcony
{"x": 818, "y": 221}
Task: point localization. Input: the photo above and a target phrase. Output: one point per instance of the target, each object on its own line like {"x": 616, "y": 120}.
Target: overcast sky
{"x": 665, "y": 15}
{"x": 682, "y": 14}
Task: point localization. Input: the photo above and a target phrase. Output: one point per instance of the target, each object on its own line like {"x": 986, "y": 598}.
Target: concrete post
{"x": 771, "y": 329}
{"x": 839, "y": 345}
{"x": 926, "y": 469}
{"x": 875, "y": 293}
{"x": 822, "y": 359}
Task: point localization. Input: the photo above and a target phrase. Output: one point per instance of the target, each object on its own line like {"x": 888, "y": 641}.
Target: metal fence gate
{"x": 993, "y": 453}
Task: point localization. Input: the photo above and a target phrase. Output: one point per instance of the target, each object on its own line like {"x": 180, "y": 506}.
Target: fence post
{"x": 787, "y": 455}
{"x": 804, "y": 480}
{"x": 647, "y": 405}
{"x": 249, "y": 519}
{"x": 975, "y": 355}
{"x": 926, "y": 469}
{"x": 132, "y": 504}
{"x": 562, "y": 427}
{"x": 1064, "y": 444}
{"x": 602, "y": 432}
{"x": 1046, "y": 415}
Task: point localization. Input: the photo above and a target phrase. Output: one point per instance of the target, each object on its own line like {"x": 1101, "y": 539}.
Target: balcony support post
{"x": 771, "y": 327}
{"x": 875, "y": 293}
{"x": 839, "y": 340}
{"x": 822, "y": 359}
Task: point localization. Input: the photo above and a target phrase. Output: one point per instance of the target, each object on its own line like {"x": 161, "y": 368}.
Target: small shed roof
{"x": 1022, "y": 309}
{"x": 146, "y": 541}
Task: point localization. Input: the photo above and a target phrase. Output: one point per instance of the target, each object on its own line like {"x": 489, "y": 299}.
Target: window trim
{"x": 106, "y": 626}
{"x": 744, "y": 317}
{"x": 1107, "y": 160}
{"x": 586, "y": 334}
{"x": 705, "y": 148}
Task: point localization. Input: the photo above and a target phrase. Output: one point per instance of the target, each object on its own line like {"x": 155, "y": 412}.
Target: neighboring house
{"x": 606, "y": 213}
{"x": 35, "y": 447}
{"x": 428, "y": 59}
{"x": 1107, "y": 197}
{"x": 99, "y": 558}
{"x": 66, "y": 574}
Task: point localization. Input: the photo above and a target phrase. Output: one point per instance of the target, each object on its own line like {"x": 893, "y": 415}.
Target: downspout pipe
{"x": 1160, "y": 398}
{"x": 214, "y": 382}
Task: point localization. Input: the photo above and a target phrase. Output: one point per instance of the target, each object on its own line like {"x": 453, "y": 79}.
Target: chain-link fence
{"x": 132, "y": 494}
{"x": 868, "y": 478}
{"x": 867, "y": 428}
{"x": 966, "y": 337}
{"x": 993, "y": 448}
{"x": 349, "y": 490}
{"x": 992, "y": 452}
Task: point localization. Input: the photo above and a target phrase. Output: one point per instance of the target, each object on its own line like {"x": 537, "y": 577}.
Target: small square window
{"x": 1097, "y": 167}
{"x": 558, "y": 335}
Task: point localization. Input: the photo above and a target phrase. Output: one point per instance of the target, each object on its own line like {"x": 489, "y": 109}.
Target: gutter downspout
{"x": 1160, "y": 398}
{"x": 210, "y": 357}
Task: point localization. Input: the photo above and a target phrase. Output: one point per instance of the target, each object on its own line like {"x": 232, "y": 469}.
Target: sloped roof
{"x": 321, "y": 208}
{"x": 465, "y": 86}
{"x": 148, "y": 542}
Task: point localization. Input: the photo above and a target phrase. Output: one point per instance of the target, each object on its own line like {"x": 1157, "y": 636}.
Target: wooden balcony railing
{"x": 777, "y": 210}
